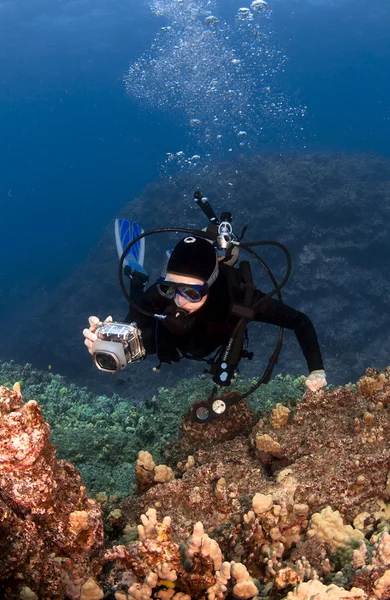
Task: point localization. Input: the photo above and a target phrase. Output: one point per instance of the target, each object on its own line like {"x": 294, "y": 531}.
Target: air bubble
{"x": 216, "y": 78}
{"x": 211, "y": 21}
{"x": 259, "y": 5}
{"x": 244, "y": 13}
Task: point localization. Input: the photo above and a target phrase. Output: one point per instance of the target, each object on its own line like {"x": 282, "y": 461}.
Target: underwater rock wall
{"x": 296, "y": 507}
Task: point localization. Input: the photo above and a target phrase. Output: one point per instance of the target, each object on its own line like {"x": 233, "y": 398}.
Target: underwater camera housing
{"x": 117, "y": 344}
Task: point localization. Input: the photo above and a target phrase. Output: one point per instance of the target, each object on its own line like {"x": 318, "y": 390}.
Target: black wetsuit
{"x": 201, "y": 333}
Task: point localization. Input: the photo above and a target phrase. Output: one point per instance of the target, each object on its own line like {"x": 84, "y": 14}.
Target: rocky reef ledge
{"x": 294, "y": 506}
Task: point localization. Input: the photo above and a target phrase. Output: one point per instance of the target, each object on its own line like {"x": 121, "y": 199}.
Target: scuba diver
{"x": 201, "y": 304}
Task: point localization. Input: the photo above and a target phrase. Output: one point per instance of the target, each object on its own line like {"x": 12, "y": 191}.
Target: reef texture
{"x": 301, "y": 501}
{"x": 51, "y": 534}
{"x": 295, "y": 507}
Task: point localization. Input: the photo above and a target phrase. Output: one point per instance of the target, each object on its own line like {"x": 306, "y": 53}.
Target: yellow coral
{"x": 101, "y": 497}
{"x": 145, "y": 461}
{"x": 218, "y": 589}
{"x": 262, "y": 503}
{"x": 384, "y": 511}
{"x": 265, "y": 443}
{"x": 382, "y": 585}
{"x": 221, "y": 489}
{"x": 283, "y": 474}
{"x": 190, "y": 464}
{"x": 78, "y": 521}
{"x": 360, "y": 519}
{"x": 150, "y": 528}
{"x": 17, "y": 388}
{"x": 381, "y": 555}
{"x": 26, "y": 593}
{"x": 164, "y": 594}
{"x": 147, "y": 472}
{"x": 162, "y": 474}
{"x": 279, "y": 416}
{"x": 143, "y": 591}
{"x": 315, "y": 590}
{"x": 91, "y": 590}
{"x": 359, "y": 557}
{"x": 301, "y": 510}
{"x": 244, "y": 587}
{"x": 367, "y": 386}
{"x": 327, "y": 526}
{"x": 201, "y": 543}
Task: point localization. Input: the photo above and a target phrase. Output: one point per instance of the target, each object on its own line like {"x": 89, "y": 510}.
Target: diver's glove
{"x": 89, "y": 334}
{"x": 316, "y": 380}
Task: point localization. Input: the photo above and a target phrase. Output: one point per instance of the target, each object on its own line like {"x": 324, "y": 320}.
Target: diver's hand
{"x": 316, "y": 380}
{"x": 89, "y": 334}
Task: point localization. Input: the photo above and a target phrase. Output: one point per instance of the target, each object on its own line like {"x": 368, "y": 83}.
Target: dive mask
{"x": 191, "y": 292}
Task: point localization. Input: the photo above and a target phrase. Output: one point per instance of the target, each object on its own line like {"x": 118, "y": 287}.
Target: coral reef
{"x": 294, "y": 505}
{"x": 102, "y": 435}
{"x": 51, "y": 533}
{"x": 306, "y": 506}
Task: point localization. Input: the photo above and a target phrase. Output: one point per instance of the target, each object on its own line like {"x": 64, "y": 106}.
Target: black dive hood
{"x": 213, "y": 234}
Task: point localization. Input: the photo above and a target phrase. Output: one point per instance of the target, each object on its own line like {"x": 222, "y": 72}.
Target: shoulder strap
{"x": 240, "y": 283}
{"x": 241, "y": 289}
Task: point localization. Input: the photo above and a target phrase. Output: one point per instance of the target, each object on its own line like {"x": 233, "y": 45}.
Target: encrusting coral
{"x": 51, "y": 534}
{"x": 147, "y": 473}
{"x": 295, "y": 508}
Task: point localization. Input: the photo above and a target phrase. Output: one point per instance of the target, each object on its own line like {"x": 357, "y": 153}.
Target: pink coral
{"x": 51, "y": 533}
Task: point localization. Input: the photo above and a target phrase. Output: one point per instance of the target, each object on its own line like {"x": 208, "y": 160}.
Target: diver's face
{"x": 179, "y": 300}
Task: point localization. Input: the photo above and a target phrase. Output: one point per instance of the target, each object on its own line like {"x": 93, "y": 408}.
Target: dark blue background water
{"x": 74, "y": 149}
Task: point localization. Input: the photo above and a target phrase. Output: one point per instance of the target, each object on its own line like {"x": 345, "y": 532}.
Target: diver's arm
{"x": 277, "y": 313}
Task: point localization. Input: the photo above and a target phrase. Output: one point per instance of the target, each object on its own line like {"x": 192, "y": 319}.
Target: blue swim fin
{"x": 125, "y": 232}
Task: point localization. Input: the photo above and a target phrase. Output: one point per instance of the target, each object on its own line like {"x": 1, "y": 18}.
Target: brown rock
{"x": 51, "y": 537}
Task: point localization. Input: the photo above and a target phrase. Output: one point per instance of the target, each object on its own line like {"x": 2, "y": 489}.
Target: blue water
{"x": 74, "y": 147}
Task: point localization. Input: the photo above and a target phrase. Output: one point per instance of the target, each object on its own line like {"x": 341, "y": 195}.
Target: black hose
{"x": 248, "y": 248}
